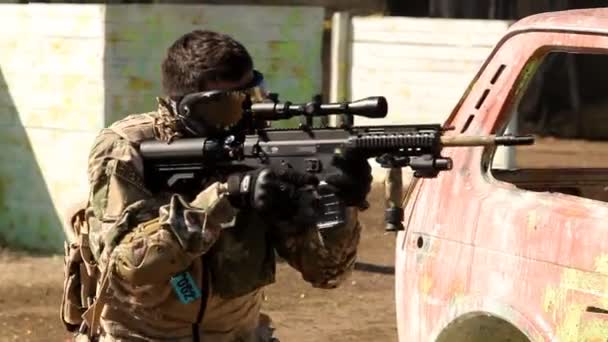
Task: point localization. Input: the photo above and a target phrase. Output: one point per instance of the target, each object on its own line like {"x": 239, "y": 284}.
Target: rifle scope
{"x": 371, "y": 107}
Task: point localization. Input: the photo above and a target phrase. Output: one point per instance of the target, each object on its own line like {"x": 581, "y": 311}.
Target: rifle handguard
{"x": 391, "y": 141}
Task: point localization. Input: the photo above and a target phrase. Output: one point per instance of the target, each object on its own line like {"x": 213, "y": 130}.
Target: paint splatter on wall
{"x": 284, "y": 42}
{"x": 68, "y": 70}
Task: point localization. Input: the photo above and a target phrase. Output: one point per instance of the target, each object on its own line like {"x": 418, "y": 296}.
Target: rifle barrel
{"x": 486, "y": 140}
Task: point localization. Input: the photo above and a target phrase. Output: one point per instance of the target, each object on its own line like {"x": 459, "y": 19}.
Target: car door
{"x": 529, "y": 251}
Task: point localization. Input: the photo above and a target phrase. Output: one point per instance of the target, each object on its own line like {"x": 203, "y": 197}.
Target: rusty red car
{"x": 512, "y": 244}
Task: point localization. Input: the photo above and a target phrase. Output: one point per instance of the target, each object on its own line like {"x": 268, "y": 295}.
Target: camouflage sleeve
{"x": 324, "y": 257}
{"x": 119, "y": 204}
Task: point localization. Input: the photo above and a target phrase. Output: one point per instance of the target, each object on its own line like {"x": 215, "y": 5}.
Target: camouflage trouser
{"x": 263, "y": 333}
{"x": 107, "y": 338}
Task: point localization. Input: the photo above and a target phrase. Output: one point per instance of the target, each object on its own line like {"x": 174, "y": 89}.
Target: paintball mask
{"x": 215, "y": 111}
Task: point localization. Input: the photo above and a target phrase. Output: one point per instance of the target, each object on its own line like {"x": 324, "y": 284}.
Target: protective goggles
{"x": 255, "y": 90}
{"x": 220, "y": 108}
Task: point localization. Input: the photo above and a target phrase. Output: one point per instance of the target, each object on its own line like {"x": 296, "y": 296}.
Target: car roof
{"x": 594, "y": 20}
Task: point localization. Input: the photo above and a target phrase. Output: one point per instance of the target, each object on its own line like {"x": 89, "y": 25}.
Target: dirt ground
{"x": 361, "y": 310}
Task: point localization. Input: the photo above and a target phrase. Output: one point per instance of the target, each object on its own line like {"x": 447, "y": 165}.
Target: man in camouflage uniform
{"x": 220, "y": 242}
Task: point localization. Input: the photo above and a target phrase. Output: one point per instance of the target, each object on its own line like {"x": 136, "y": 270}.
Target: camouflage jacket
{"x": 141, "y": 240}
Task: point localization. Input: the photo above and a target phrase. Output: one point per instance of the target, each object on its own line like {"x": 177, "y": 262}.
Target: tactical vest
{"x": 241, "y": 261}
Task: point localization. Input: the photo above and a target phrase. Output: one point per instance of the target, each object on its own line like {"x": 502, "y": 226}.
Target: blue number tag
{"x": 185, "y": 287}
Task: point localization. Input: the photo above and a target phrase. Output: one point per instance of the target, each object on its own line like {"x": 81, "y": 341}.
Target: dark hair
{"x": 201, "y": 56}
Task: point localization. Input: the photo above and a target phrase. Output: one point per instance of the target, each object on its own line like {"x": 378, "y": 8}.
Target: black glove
{"x": 353, "y": 181}
{"x": 268, "y": 190}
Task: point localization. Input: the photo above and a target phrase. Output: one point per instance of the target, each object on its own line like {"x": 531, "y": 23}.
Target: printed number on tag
{"x": 185, "y": 287}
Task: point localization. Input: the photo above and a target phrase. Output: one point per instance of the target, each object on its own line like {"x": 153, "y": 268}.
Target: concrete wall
{"x": 421, "y": 65}
{"x": 285, "y": 43}
{"x": 52, "y": 97}
{"x": 359, "y": 7}
{"x": 68, "y": 70}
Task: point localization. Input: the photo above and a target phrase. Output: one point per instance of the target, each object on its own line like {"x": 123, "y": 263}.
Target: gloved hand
{"x": 353, "y": 181}
{"x": 267, "y": 190}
